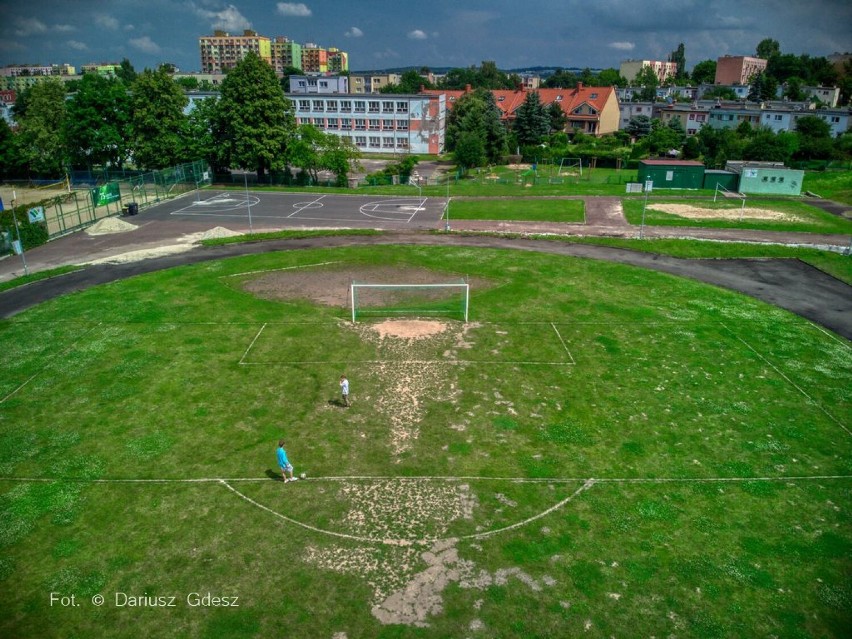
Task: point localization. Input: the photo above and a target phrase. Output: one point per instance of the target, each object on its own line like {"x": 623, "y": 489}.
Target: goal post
{"x": 449, "y": 299}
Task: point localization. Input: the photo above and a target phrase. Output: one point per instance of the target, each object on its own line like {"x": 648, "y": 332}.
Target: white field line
{"x": 372, "y": 362}
{"x": 514, "y": 480}
{"x": 252, "y": 343}
{"x": 834, "y": 337}
{"x": 564, "y": 345}
{"x": 789, "y": 381}
{"x": 586, "y": 485}
{"x": 283, "y": 268}
{"x": 50, "y": 361}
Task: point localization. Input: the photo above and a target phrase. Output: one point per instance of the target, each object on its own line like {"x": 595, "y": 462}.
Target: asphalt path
{"x": 789, "y": 284}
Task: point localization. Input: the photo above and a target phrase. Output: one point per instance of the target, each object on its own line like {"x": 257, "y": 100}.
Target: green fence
{"x": 80, "y": 208}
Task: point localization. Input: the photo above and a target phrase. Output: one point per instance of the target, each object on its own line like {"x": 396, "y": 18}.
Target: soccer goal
{"x": 450, "y": 299}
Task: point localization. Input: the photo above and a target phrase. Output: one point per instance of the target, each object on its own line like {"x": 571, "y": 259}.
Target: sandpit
{"x": 692, "y": 212}
{"x": 409, "y": 329}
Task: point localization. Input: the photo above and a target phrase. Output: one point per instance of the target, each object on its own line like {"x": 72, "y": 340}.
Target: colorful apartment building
{"x": 16, "y": 70}
{"x": 338, "y": 61}
{"x": 629, "y": 69}
{"x": 223, "y": 51}
{"x": 314, "y": 58}
{"x": 738, "y": 69}
{"x": 387, "y": 124}
{"x": 285, "y": 54}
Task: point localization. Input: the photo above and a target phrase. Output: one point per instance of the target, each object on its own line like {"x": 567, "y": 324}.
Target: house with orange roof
{"x": 589, "y": 110}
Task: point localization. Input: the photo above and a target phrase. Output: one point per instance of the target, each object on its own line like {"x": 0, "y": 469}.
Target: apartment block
{"x": 314, "y": 58}
{"x": 338, "y": 61}
{"x": 223, "y": 51}
{"x": 387, "y": 124}
{"x": 737, "y": 69}
{"x": 285, "y": 54}
{"x": 15, "y": 70}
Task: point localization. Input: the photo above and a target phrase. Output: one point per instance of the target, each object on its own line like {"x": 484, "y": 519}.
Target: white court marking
{"x": 588, "y": 483}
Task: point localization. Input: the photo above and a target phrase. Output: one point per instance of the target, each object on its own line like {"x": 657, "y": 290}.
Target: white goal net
{"x": 450, "y": 299}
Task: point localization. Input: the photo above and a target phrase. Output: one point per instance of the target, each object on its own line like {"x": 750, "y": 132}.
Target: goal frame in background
{"x": 463, "y": 286}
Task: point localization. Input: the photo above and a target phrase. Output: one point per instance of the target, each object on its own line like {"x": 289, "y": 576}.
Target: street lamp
{"x": 648, "y": 186}
{"x": 248, "y": 202}
{"x": 447, "y": 207}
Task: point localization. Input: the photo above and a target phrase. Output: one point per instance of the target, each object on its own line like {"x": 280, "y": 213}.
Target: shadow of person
{"x": 274, "y": 475}
{"x": 336, "y": 402}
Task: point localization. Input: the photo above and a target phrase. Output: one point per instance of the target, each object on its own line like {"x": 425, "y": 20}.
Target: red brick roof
{"x": 508, "y": 101}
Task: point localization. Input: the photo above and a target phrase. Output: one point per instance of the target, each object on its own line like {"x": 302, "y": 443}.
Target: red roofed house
{"x": 591, "y": 110}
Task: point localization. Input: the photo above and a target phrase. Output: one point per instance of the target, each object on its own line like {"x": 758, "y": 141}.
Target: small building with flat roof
{"x": 672, "y": 174}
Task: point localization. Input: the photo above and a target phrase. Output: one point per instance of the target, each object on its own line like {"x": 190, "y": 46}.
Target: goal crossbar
{"x": 462, "y": 287}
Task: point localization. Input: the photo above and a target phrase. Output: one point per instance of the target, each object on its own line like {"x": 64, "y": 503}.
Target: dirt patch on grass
{"x": 329, "y": 286}
{"x": 692, "y": 212}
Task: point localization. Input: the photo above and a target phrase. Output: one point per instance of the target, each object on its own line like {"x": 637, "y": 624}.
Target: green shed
{"x": 767, "y": 178}
{"x": 672, "y": 174}
{"x": 727, "y": 180}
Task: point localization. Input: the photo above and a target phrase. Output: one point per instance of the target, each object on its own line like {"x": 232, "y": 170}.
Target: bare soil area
{"x": 699, "y": 213}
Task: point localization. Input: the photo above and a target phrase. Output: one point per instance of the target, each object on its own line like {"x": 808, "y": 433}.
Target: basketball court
{"x": 274, "y": 209}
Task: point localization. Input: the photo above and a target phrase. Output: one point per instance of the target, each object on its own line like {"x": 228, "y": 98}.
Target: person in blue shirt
{"x": 284, "y": 463}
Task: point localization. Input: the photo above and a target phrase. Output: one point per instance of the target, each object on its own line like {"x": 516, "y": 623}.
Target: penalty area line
{"x": 252, "y": 343}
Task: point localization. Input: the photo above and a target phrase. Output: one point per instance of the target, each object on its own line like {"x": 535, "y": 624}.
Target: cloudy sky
{"x": 435, "y": 33}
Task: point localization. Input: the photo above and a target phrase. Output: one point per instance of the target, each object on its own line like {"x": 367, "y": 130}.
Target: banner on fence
{"x": 36, "y": 214}
{"x": 106, "y": 194}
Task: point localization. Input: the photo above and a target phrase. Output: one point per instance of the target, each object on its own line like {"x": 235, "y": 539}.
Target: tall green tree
{"x": 557, "y": 117}
{"x": 532, "y": 123}
{"x": 648, "y": 80}
{"x": 610, "y": 78}
{"x": 98, "y": 124}
{"x": 678, "y": 56}
{"x": 814, "y": 136}
{"x": 10, "y": 164}
{"x": 477, "y": 113}
{"x": 205, "y": 136}
{"x": 767, "y": 48}
{"x": 41, "y": 129}
{"x": 257, "y": 117}
{"x": 763, "y": 87}
{"x": 125, "y": 72}
{"x": 704, "y": 72}
{"x": 158, "y": 120}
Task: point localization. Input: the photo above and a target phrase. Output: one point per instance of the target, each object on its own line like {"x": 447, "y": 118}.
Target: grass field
{"x": 521, "y": 209}
{"x": 602, "y": 451}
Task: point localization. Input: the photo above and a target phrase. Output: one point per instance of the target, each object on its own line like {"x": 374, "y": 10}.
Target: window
{"x": 501, "y": 98}
{"x": 765, "y": 179}
{"x": 360, "y": 106}
{"x": 302, "y": 83}
{"x": 835, "y": 118}
{"x": 387, "y": 107}
{"x": 387, "y": 125}
{"x": 346, "y": 106}
{"x": 374, "y": 107}
{"x": 331, "y": 105}
{"x": 773, "y": 179}
{"x": 346, "y": 123}
{"x": 374, "y": 124}
{"x": 304, "y": 105}
{"x": 332, "y": 123}
{"x": 319, "y": 105}
{"x": 402, "y": 143}
{"x": 559, "y": 98}
{"x": 360, "y": 125}
{"x": 780, "y": 179}
{"x": 402, "y": 107}
{"x": 691, "y": 116}
{"x": 387, "y": 143}
{"x": 778, "y": 118}
{"x": 361, "y": 140}
{"x": 401, "y": 125}
{"x": 593, "y": 96}
{"x": 375, "y": 141}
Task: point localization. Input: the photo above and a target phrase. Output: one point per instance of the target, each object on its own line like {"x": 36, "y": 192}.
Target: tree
{"x": 678, "y": 56}
{"x": 639, "y": 126}
{"x": 647, "y": 79}
{"x": 793, "y": 90}
{"x": 561, "y": 79}
{"x": 98, "y": 124}
{"x": 532, "y": 123}
{"x": 469, "y": 149}
{"x": 9, "y": 159}
{"x": 723, "y": 93}
{"x": 477, "y": 113}
{"x": 258, "y": 119}
{"x": 125, "y": 72}
{"x": 814, "y": 136}
{"x": 40, "y": 136}
{"x": 557, "y": 117}
{"x": 610, "y": 78}
{"x": 666, "y": 137}
{"x": 766, "y": 146}
{"x": 763, "y": 87}
{"x": 704, "y": 72}
{"x": 767, "y": 48}
{"x": 205, "y": 136}
{"x": 158, "y": 121}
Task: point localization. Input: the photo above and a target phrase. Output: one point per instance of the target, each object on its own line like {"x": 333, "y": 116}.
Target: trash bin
{"x": 132, "y": 208}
